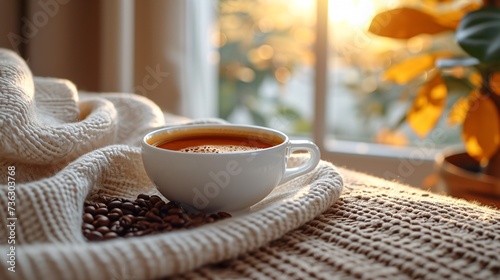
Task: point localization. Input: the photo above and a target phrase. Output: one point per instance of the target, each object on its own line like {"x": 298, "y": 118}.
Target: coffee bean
{"x": 153, "y": 217}
{"x": 154, "y": 199}
{"x": 143, "y": 232}
{"x": 88, "y": 218}
{"x": 170, "y": 218}
{"x": 141, "y": 226}
{"x": 165, "y": 208}
{"x": 125, "y": 221}
{"x": 101, "y": 211}
{"x": 97, "y": 216}
{"x": 128, "y": 206}
{"x": 101, "y": 221}
{"x": 214, "y": 216}
{"x": 140, "y": 218}
{"x": 156, "y": 225}
{"x": 103, "y": 229}
{"x": 114, "y": 216}
{"x": 197, "y": 221}
{"x": 89, "y": 209}
{"x": 158, "y": 205}
{"x": 114, "y": 227}
{"x": 111, "y": 217}
{"x": 117, "y": 211}
{"x": 177, "y": 222}
{"x": 111, "y": 235}
{"x": 94, "y": 235}
{"x": 185, "y": 217}
{"x": 118, "y": 229}
{"x": 127, "y": 212}
{"x": 101, "y": 205}
{"x": 114, "y": 204}
{"x": 175, "y": 210}
{"x": 166, "y": 227}
{"x": 131, "y": 216}
{"x": 88, "y": 226}
{"x": 144, "y": 204}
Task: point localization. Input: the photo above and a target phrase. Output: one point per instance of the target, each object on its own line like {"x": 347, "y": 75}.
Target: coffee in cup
{"x": 208, "y": 141}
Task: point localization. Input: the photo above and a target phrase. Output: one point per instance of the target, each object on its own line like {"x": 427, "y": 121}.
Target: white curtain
{"x": 156, "y": 48}
{"x": 199, "y": 98}
{"x": 171, "y": 50}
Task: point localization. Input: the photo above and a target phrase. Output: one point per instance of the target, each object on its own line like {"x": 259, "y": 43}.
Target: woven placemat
{"x": 378, "y": 230}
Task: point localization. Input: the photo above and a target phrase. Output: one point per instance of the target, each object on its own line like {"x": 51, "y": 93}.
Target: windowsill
{"x": 425, "y": 151}
{"x": 413, "y": 165}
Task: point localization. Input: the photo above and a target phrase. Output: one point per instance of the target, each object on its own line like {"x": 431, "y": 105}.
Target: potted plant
{"x": 475, "y": 173}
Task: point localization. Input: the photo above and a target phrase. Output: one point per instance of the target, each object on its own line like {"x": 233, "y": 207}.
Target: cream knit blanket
{"x": 58, "y": 146}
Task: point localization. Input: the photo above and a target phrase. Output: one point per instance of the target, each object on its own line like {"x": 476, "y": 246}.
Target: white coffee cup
{"x": 226, "y": 181}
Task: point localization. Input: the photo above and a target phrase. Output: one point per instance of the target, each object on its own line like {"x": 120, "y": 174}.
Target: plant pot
{"x": 460, "y": 176}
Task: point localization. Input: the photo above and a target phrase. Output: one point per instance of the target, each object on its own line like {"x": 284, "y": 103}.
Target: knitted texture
{"x": 45, "y": 123}
{"x": 66, "y": 146}
{"x": 378, "y": 230}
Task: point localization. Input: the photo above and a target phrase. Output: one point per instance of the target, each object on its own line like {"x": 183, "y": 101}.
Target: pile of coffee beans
{"x": 107, "y": 218}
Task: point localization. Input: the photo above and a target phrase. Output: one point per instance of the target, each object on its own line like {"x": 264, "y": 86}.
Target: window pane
{"x": 266, "y": 72}
{"x": 266, "y": 61}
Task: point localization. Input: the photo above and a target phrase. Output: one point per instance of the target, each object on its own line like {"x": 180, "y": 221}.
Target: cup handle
{"x": 315, "y": 156}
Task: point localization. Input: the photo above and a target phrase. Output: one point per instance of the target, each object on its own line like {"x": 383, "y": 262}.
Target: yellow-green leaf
{"x": 495, "y": 83}
{"x": 408, "y": 69}
{"x": 458, "y": 112}
{"x": 476, "y": 79}
{"x": 427, "y": 106}
{"x": 481, "y": 129}
{"x": 404, "y": 23}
